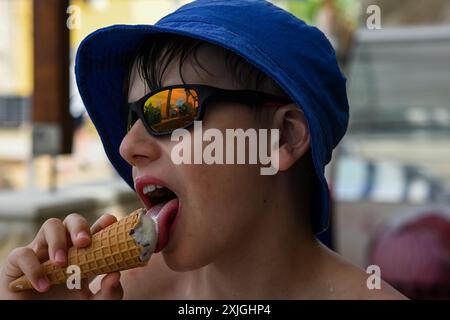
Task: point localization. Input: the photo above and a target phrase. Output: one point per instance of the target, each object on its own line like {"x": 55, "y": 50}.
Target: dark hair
{"x": 155, "y": 53}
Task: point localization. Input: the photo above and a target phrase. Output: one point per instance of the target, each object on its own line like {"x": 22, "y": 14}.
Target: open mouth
{"x": 161, "y": 203}
{"x": 157, "y": 194}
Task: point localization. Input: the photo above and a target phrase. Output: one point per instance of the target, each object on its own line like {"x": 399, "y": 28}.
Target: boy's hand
{"x": 51, "y": 243}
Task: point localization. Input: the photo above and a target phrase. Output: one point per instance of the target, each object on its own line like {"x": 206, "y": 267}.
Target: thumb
{"x": 102, "y": 222}
{"x": 110, "y": 288}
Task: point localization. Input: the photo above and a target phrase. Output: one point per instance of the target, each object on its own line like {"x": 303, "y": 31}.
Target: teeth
{"x": 150, "y": 188}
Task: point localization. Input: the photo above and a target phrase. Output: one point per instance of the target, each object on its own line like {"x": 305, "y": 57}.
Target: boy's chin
{"x": 182, "y": 262}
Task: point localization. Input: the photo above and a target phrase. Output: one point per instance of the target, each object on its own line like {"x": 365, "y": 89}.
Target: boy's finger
{"x": 102, "y": 222}
{"x": 111, "y": 288}
{"x": 78, "y": 229}
{"x": 24, "y": 261}
{"x": 55, "y": 236}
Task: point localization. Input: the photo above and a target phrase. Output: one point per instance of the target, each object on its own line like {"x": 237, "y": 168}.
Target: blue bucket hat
{"x": 295, "y": 55}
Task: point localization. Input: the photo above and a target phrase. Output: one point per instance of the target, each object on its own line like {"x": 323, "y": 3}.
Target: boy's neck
{"x": 278, "y": 252}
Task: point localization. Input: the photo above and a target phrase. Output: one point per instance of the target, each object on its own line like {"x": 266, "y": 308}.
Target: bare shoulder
{"x": 346, "y": 281}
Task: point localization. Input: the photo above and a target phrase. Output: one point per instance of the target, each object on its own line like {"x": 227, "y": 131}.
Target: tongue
{"x": 164, "y": 213}
{"x": 154, "y": 211}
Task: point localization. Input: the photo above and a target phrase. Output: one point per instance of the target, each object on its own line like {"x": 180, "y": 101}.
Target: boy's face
{"x": 219, "y": 205}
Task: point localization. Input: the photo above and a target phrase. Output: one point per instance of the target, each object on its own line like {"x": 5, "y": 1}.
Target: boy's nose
{"x": 138, "y": 147}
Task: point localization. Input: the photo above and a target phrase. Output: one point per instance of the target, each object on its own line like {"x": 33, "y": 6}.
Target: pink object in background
{"x": 415, "y": 257}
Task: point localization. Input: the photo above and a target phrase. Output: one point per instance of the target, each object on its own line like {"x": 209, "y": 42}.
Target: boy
{"x": 229, "y": 232}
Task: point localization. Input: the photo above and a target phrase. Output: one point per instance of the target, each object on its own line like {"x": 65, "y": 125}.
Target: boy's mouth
{"x": 161, "y": 203}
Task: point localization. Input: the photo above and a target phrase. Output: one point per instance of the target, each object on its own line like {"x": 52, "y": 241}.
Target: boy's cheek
{"x": 221, "y": 181}
{"x": 222, "y": 193}
{"x": 218, "y": 208}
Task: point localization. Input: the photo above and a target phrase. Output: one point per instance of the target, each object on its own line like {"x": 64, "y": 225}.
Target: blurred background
{"x": 390, "y": 176}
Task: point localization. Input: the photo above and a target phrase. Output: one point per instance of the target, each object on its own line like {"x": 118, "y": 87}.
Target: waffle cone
{"x": 112, "y": 249}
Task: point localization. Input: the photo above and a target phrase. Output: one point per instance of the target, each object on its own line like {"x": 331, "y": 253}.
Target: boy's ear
{"x": 294, "y": 134}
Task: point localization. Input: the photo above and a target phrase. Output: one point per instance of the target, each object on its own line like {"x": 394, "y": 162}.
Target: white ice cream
{"x": 146, "y": 234}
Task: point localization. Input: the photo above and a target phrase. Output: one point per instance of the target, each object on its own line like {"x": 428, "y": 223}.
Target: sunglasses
{"x": 175, "y": 107}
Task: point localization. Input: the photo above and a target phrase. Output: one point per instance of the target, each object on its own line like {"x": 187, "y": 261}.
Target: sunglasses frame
{"x": 206, "y": 95}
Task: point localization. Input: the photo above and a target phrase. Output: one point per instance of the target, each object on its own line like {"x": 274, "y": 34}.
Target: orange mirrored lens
{"x": 171, "y": 109}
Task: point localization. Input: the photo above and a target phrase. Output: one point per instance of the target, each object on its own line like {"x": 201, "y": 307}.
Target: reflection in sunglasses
{"x": 171, "y": 109}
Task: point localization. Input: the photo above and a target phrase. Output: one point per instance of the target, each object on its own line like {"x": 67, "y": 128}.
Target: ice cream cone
{"x": 112, "y": 249}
